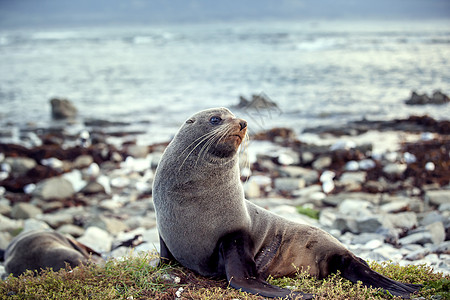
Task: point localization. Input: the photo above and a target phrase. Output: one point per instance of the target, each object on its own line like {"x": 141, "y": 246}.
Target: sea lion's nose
{"x": 243, "y": 124}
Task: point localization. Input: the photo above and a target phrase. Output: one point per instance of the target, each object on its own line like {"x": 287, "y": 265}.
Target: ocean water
{"x": 155, "y": 77}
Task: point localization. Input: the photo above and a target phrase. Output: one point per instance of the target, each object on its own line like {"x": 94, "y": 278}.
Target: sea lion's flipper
{"x": 235, "y": 253}
{"x": 165, "y": 256}
{"x": 356, "y": 269}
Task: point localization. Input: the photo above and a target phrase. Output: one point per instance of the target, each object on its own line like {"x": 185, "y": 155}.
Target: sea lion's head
{"x": 213, "y": 131}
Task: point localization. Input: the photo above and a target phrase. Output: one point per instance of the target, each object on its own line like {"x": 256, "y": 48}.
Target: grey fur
{"x": 36, "y": 250}
{"x": 199, "y": 199}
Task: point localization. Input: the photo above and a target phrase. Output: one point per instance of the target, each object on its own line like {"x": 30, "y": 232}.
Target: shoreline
{"x": 388, "y": 203}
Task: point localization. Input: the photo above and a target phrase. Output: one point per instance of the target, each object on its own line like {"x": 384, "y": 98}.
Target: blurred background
{"x": 151, "y": 64}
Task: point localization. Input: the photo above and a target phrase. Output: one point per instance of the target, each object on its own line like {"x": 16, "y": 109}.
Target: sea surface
{"x": 156, "y": 76}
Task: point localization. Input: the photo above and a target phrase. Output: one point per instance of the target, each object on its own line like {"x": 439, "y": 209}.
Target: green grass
{"x": 312, "y": 213}
{"x": 135, "y": 278}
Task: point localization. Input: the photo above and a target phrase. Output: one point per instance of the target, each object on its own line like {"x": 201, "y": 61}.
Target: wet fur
{"x": 206, "y": 224}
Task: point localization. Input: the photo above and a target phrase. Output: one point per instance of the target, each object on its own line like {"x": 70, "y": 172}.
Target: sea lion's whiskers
{"x": 202, "y": 139}
{"x": 245, "y": 150}
{"x": 220, "y": 134}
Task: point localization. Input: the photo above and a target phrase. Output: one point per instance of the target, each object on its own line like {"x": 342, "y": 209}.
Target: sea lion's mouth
{"x": 237, "y": 135}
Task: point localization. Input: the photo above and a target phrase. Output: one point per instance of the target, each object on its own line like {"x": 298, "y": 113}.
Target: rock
{"x": 73, "y": 230}
{"x": 418, "y": 254}
{"x": 431, "y": 217}
{"x": 288, "y": 157}
{"x": 443, "y": 207}
{"x": 395, "y": 206}
{"x": 97, "y": 239}
{"x": 310, "y": 176}
{"x": 10, "y": 225}
{"x": 327, "y": 217}
{"x": 322, "y": 163}
{"x": 437, "y": 231}
{"x": 433, "y": 233}
{"x": 407, "y": 220}
{"x": 438, "y": 197}
{"x": 350, "y": 177}
{"x": 307, "y": 157}
{"x": 57, "y": 219}
{"x": 368, "y": 224}
{"x": 93, "y": 187}
{"x": 75, "y": 177}
{"x": 287, "y": 184}
{"x": 33, "y": 224}
{"x": 83, "y": 161}
{"x": 416, "y": 238}
{"x": 138, "y": 151}
{"x": 54, "y": 188}
{"x": 258, "y": 102}
{"x": 351, "y": 166}
{"x": 373, "y": 244}
{"x": 251, "y": 190}
{"x": 24, "y": 211}
{"x": 110, "y": 204}
{"x": 440, "y": 98}
{"x": 443, "y": 248}
{"x": 5, "y": 207}
{"x": 5, "y": 239}
{"x": 355, "y": 207}
{"x": 62, "y": 109}
{"x": 20, "y": 165}
{"x": 394, "y": 169}
{"x": 366, "y": 237}
{"x": 111, "y": 225}
{"x": 417, "y": 99}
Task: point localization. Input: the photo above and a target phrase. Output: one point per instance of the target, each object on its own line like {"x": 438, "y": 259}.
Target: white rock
{"x": 29, "y": 188}
{"x": 328, "y": 186}
{"x": 373, "y": 244}
{"x": 322, "y": 163}
{"x": 438, "y": 197}
{"x": 350, "y": 177}
{"x": 429, "y": 166}
{"x": 352, "y": 165}
{"x": 53, "y": 163}
{"x": 327, "y": 176}
{"x": 251, "y": 189}
{"x": 97, "y": 239}
{"x": 83, "y": 161}
{"x": 355, "y": 207}
{"x": 75, "y": 178}
{"x": 33, "y": 224}
{"x": 54, "y": 188}
{"x": 367, "y": 164}
{"x": 409, "y": 158}
{"x": 395, "y": 169}
{"x": 343, "y": 145}
{"x": 288, "y": 184}
{"x": 394, "y": 206}
{"x": 261, "y": 180}
{"x": 406, "y": 220}
{"x": 120, "y": 182}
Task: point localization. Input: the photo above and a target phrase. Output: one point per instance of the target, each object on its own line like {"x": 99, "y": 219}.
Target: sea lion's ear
{"x": 190, "y": 121}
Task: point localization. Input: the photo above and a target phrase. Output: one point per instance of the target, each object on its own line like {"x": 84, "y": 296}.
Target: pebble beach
{"x": 380, "y": 187}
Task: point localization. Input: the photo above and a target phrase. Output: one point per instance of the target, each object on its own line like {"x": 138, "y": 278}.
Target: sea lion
{"x": 207, "y": 225}
{"x": 36, "y": 250}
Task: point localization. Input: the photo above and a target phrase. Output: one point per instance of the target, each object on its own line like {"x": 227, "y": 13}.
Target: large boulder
{"x": 63, "y": 109}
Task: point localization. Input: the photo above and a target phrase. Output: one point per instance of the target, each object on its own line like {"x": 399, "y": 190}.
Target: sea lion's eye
{"x": 215, "y": 120}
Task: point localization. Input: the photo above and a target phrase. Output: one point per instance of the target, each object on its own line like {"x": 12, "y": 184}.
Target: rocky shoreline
{"x": 389, "y": 204}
